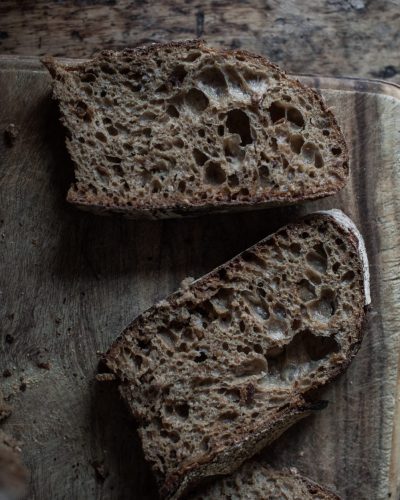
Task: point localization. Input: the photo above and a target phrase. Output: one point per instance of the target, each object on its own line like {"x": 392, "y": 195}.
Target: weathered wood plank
{"x": 70, "y": 281}
{"x": 331, "y": 37}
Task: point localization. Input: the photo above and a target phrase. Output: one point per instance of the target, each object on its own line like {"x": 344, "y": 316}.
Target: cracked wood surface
{"x": 325, "y": 37}
{"x": 70, "y": 281}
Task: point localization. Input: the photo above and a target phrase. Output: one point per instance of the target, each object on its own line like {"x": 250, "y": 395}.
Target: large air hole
{"x": 201, "y": 357}
{"x": 88, "y": 77}
{"x": 178, "y": 75}
{"x": 206, "y": 311}
{"x": 100, "y": 136}
{"x": 313, "y": 276}
{"x": 299, "y": 356}
{"x": 235, "y": 81}
{"x": 324, "y": 308}
{"x": 277, "y": 328}
{"x": 318, "y": 259}
{"x": 182, "y": 410}
{"x": 258, "y": 307}
{"x": 172, "y": 111}
{"x": 192, "y": 56}
{"x": 318, "y": 160}
{"x": 294, "y": 116}
{"x": 106, "y": 68}
{"x": 232, "y": 394}
{"x": 228, "y": 416}
{"x": 296, "y": 143}
{"x": 213, "y": 80}
{"x": 306, "y": 290}
{"x": 147, "y": 116}
{"x": 135, "y": 87}
{"x": 214, "y": 173}
{"x": 162, "y": 88}
{"x": 196, "y": 100}
{"x": 112, "y": 130}
{"x": 253, "y": 258}
{"x": 233, "y": 180}
{"x": 238, "y": 122}
{"x": 232, "y": 147}
{"x": 348, "y": 277}
{"x": 250, "y": 367}
{"x": 277, "y": 111}
{"x": 221, "y": 300}
{"x": 279, "y": 311}
{"x": 280, "y": 111}
{"x": 199, "y": 157}
{"x": 264, "y": 175}
{"x": 167, "y": 337}
{"x": 309, "y": 152}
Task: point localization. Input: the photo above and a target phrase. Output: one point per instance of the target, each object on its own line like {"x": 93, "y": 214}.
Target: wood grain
{"x": 70, "y": 281}
{"x": 331, "y": 37}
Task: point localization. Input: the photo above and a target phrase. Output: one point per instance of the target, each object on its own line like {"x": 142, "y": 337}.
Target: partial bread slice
{"x": 14, "y": 476}
{"x": 224, "y": 365}
{"x": 256, "y": 481}
{"x": 178, "y": 128}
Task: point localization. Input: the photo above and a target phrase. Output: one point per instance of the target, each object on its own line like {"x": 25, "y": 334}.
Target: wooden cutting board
{"x": 70, "y": 281}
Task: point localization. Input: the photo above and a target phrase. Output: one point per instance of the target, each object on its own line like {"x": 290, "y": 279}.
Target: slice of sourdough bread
{"x": 223, "y": 366}
{"x": 256, "y": 481}
{"x": 167, "y": 129}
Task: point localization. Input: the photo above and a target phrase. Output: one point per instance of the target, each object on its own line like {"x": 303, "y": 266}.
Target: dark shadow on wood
{"x": 117, "y": 450}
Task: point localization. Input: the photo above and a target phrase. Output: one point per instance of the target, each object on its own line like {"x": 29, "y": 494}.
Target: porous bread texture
{"x": 180, "y": 127}
{"x": 214, "y": 370}
{"x": 257, "y": 481}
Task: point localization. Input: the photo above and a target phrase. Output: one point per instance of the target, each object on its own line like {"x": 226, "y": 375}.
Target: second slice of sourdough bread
{"x": 178, "y": 128}
{"x": 222, "y": 367}
{"x": 256, "y": 481}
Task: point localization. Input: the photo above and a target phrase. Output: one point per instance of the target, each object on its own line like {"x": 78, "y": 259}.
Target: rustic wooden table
{"x": 60, "y": 264}
{"x": 326, "y": 37}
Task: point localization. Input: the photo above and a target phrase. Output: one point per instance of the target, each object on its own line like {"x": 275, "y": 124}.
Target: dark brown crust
{"x": 279, "y": 475}
{"x": 175, "y": 488}
{"x": 316, "y": 489}
{"x": 174, "y": 485}
{"x": 94, "y": 203}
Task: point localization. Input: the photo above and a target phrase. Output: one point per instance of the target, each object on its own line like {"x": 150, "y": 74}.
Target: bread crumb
{"x": 100, "y": 470}
{"x": 105, "y": 377}
{"x": 187, "y": 282}
{"x": 45, "y": 365}
{"x": 10, "y": 134}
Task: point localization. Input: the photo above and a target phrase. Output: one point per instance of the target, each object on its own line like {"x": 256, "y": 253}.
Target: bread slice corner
{"x": 258, "y": 481}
